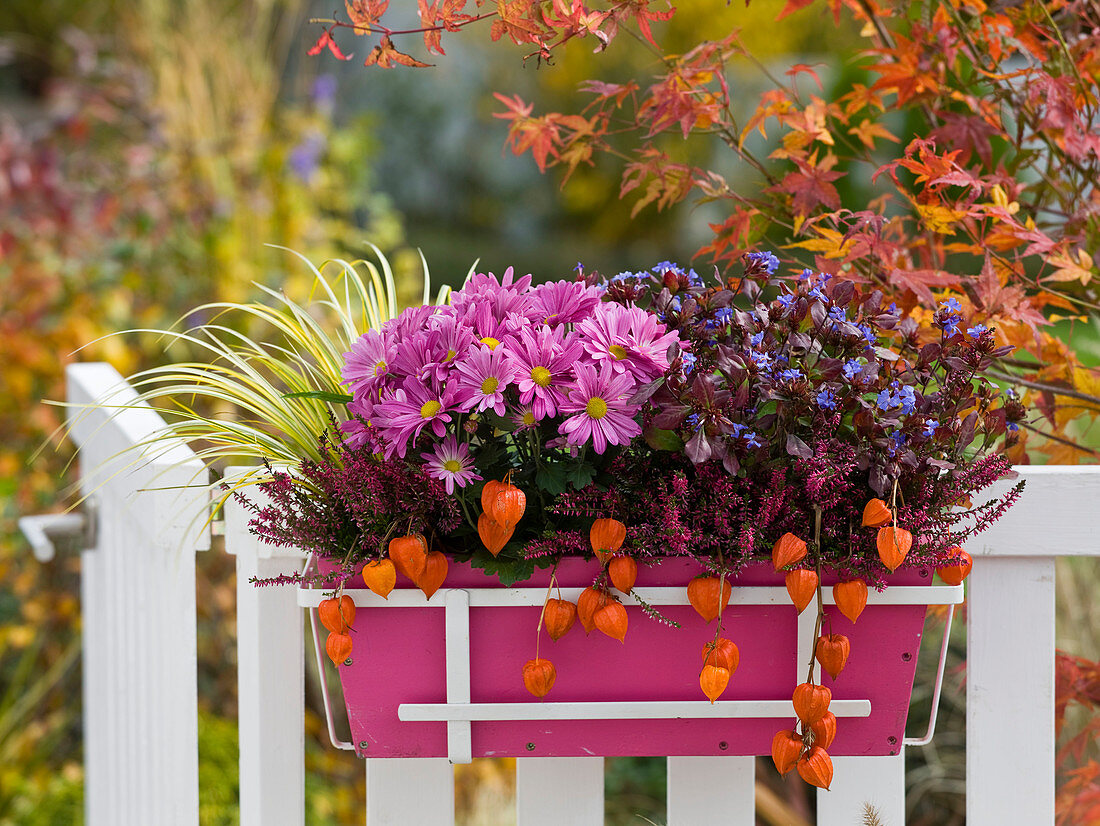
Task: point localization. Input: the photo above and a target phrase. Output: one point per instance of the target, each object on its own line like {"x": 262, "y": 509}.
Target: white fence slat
{"x": 559, "y": 791}
{"x": 408, "y": 791}
{"x": 270, "y": 677}
{"x": 138, "y": 603}
{"x": 1046, "y": 519}
{"x": 862, "y": 781}
{"x": 711, "y": 791}
{"x": 1010, "y": 689}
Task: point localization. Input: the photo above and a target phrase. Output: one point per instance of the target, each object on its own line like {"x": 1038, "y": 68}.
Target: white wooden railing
{"x": 138, "y": 592}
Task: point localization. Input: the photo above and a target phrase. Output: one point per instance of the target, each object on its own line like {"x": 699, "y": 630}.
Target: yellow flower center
{"x": 596, "y": 408}
{"x": 450, "y": 355}
{"x": 379, "y": 368}
{"x": 528, "y": 418}
{"x": 452, "y": 466}
{"x": 540, "y": 376}
{"x": 490, "y": 385}
{"x": 429, "y": 409}
{"x": 618, "y": 351}
{"x": 492, "y": 342}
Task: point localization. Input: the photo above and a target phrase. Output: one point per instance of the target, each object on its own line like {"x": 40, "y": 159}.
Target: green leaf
{"x": 320, "y": 395}
{"x": 581, "y": 475}
{"x": 552, "y": 478}
{"x": 507, "y": 569}
{"x": 659, "y": 439}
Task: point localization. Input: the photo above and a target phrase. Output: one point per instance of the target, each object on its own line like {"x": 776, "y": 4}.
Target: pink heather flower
{"x": 402, "y": 416}
{"x": 543, "y": 360}
{"x": 368, "y": 359}
{"x": 628, "y": 339}
{"x": 451, "y": 463}
{"x": 563, "y": 302}
{"x": 483, "y": 376}
{"x": 598, "y": 410}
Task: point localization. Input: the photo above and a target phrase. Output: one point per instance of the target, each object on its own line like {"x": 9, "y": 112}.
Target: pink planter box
{"x": 400, "y": 659}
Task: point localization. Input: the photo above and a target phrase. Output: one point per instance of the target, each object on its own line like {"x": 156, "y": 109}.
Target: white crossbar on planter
{"x": 138, "y": 592}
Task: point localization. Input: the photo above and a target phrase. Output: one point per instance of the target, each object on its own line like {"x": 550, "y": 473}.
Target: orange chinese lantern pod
{"x": 824, "y": 730}
{"x": 811, "y": 702}
{"x": 611, "y": 619}
{"x": 493, "y": 534}
{"x": 876, "y": 514}
{"x": 722, "y": 653}
{"x": 788, "y": 550}
{"x": 435, "y": 571}
{"x": 539, "y": 676}
{"x": 959, "y": 570}
{"x": 489, "y": 493}
{"x": 713, "y": 680}
{"x": 337, "y": 615}
{"x": 606, "y": 536}
{"x": 338, "y": 647}
{"x": 703, "y": 594}
{"x": 786, "y": 749}
{"x": 802, "y": 586}
{"x": 507, "y": 507}
{"x": 380, "y": 575}
{"x": 623, "y": 572}
{"x": 816, "y": 768}
{"x": 591, "y": 601}
{"x": 893, "y": 544}
{"x": 408, "y": 554}
{"x": 851, "y": 597}
{"x": 559, "y": 616}
{"x": 832, "y": 652}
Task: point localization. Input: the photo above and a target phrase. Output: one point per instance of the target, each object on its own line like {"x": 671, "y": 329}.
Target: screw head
{"x": 347, "y": 661}
{"x": 892, "y": 740}
{"x": 723, "y": 745}
{"x": 530, "y": 747}
{"x": 924, "y": 572}
{"x": 364, "y": 745}
{"x": 907, "y": 656}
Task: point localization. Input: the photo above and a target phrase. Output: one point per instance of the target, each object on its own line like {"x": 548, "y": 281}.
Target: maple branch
{"x": 388, "y": 32}
{"x": 1069, "y": 393}
{"x": 1060, "y": 440}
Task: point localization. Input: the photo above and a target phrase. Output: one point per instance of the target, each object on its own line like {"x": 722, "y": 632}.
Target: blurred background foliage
{"x": 148, "y": 151}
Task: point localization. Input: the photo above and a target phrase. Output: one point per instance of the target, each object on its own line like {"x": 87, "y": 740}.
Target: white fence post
{"x": 559, "y": 791}
{"x": 711, "y": 791}
{"x": 859, "y": 782}
{"x": 1010, "y": 647}
{"x": 270, "y": 675}
{"x": 138, "y": 604}
{"x": 403, "y": 791}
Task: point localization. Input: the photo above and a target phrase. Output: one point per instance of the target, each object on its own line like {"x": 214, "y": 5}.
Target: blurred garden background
{"x": 151, "y": 150}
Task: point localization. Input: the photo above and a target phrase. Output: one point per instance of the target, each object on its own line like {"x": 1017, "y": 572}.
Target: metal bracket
{"x": 927, "y": 738}
{"x": 41, "y": 531}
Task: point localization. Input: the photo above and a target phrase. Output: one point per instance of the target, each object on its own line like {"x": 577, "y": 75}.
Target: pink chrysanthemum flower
{"x": 543, "y": 360}
{"x": 502, "y": 297}
{"x": 411, "y": 408}
{"x": 357, "y": 430}
{"x": 451, "y": 463}
{"x": 368, "y": 360}
{"x": 524, "y": 418}
{"x": 628, "y": 339}
{"x": 598, "y": 409}
{"x": 483, "y": 376}
{"x": 448, "y": 339}
{"x": 563, "y": 302}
